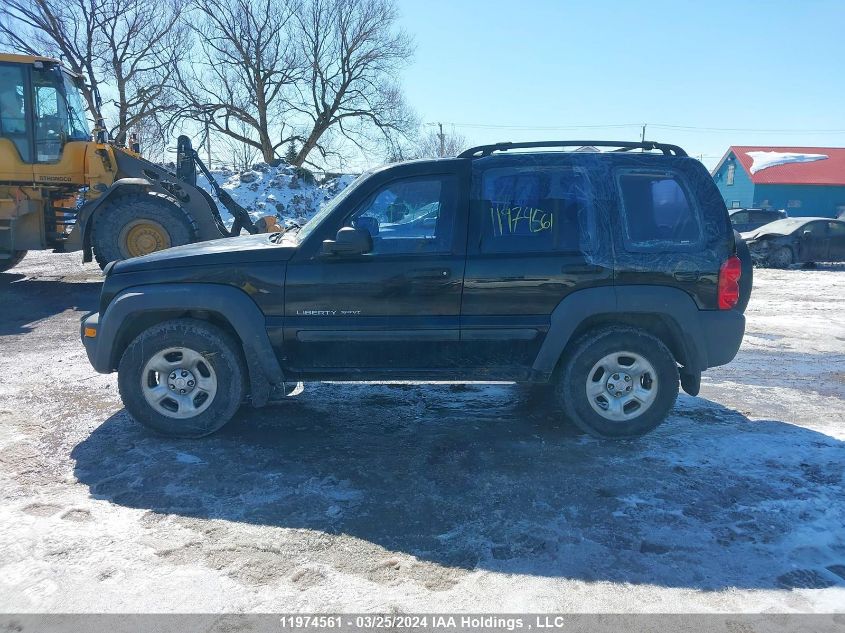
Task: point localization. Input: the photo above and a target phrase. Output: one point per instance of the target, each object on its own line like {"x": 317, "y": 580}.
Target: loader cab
{"x": 41, "y": 111}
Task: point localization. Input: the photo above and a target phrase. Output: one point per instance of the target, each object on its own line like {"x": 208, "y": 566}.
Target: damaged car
{"x": 782, "y": 243}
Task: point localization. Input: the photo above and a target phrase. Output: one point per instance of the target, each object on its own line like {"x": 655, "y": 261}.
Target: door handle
{"x": 687, "y": 276}
{"x": 430, "y": 273}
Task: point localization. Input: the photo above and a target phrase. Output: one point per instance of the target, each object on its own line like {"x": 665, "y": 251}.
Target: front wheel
{"x": 132, "y": 225}
{"x": 618, "y": 382}
{"x": 781, "y": 258}
{"x": 182, "y": 378}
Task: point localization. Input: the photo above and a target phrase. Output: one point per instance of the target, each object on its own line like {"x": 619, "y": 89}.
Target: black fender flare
{"x": 700, "y": 336}
{"x": 571, "y": 312}
{"x": 81, "y": 236}
{"x": 227, "y": 302}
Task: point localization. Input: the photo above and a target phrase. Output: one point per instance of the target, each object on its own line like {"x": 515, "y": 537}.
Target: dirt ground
{"x": 420, "y": 497}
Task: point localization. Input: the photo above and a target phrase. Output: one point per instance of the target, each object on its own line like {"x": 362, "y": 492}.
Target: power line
{"x": 535, "y": 127}
{"x": 665, "y": 126}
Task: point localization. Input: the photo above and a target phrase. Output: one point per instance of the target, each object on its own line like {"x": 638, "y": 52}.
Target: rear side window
{"x": 535, "y": 209}
{"x": 658, "y": 211}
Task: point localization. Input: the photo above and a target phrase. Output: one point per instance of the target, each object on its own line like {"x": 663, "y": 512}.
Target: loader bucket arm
{"x": 187, "y": 161}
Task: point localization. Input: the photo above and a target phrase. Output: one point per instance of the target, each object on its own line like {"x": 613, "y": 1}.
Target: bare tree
{"x": 141, "y": 47}
{"x": 237, "y": 83}
{"x": 59, "y": 28}
{"x": 236, "y": 153}
{"x": 427, "y": 143}
{"x": 435, "y": 143}
{"x": 121, "y": 45}
{"x": 353, "y": 54}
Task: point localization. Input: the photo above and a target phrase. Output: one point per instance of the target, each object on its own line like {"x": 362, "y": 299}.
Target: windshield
{"x": 315, "y": 221}
{"x": 784, "y": 226}
{"x": 76, "y": 110}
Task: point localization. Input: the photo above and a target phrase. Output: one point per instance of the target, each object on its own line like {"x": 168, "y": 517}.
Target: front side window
{"x": 658, "y": 211}
{"x": 13, "y": 121}
{"x": 816, "y": 229}
{"x": 534, "y": 209}
{"x": 410, "y": 216}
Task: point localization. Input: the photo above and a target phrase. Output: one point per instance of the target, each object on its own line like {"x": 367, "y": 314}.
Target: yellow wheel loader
{"x": 63, "y": 190}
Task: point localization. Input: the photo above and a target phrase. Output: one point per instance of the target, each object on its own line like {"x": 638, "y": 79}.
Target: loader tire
{"x": 13, "y": 260}
{"x": 137, "y": 224}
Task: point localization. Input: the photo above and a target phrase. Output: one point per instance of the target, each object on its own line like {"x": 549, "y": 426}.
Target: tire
{"x": 11, "y": 262}
{"x": 781, "y": 258}
{"x": 211, "y": 356}
{"x": 137, "y": 224}
{"x": 658, "y": 385}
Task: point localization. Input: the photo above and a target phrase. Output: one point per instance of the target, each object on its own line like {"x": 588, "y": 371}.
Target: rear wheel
{"x": 12, "y": 261}
{"x": 182, "y": 378}
{"x": 618, "y": 382}
{"x": 138, "y": 224}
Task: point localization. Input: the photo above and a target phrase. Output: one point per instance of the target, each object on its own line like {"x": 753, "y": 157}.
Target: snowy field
{"x": 415, "y": 497}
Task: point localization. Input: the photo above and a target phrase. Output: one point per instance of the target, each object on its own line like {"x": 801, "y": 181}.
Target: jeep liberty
{"x": 607, "y": 276}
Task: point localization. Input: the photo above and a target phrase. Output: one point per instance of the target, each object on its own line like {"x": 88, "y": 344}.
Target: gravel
{"x": 422, "y": 497}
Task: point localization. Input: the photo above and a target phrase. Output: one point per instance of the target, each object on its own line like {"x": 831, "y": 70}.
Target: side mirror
{"x": 349, "y": 241}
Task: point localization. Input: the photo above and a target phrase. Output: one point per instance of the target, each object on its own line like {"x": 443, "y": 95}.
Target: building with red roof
{"x": 805, "y": 181}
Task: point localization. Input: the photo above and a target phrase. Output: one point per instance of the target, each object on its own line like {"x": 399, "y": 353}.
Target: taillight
{"x": 729, "y": 275}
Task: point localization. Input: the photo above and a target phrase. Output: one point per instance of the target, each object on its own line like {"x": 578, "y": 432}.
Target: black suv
{"x": 608, "y": 276}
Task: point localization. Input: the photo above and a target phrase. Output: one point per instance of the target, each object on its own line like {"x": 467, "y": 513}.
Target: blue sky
{"x": 742, "y": 65}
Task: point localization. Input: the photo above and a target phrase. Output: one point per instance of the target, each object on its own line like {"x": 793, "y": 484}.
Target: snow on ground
{"x": 421, "y": 497}
{"x": 278, "y": 191}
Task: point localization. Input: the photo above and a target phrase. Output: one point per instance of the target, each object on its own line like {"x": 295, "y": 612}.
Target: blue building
{"x": 805, "y": 181}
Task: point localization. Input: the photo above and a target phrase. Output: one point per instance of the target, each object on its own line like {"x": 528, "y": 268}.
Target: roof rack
{"x": 622, "y": 146}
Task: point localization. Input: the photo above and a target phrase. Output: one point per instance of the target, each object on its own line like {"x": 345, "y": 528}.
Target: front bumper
{"x": 89, "y": 330}
{"x": 759, "y": 251}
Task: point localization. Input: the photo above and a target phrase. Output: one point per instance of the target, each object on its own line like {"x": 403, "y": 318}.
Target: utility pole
{"x": 442, "y": 141}
{"x": 642, "y": 138}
